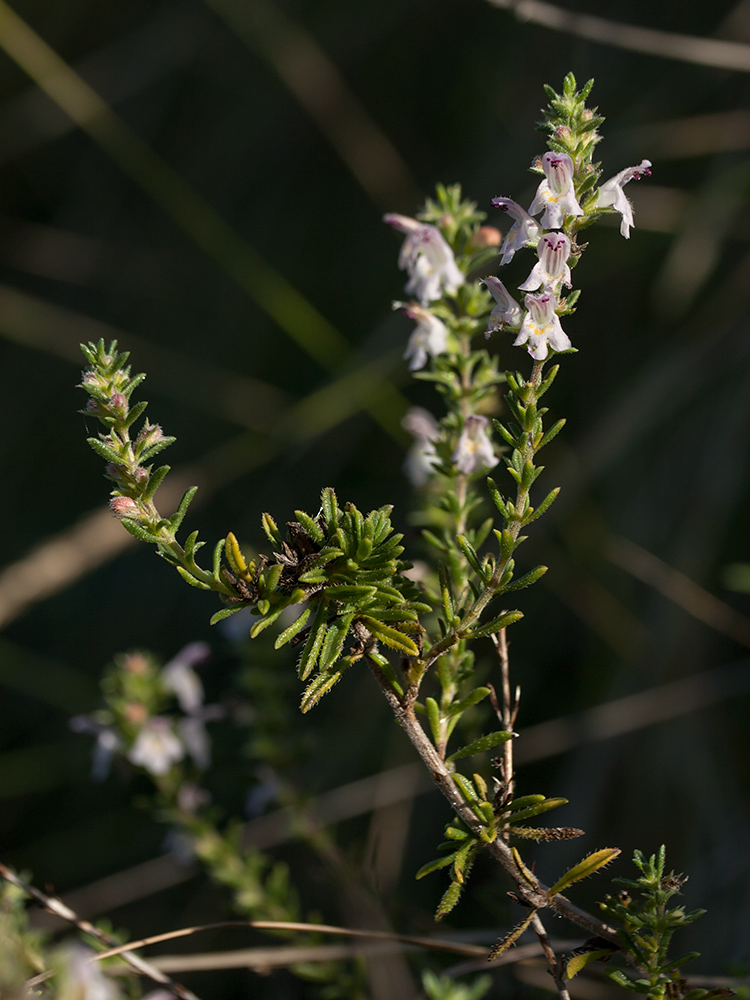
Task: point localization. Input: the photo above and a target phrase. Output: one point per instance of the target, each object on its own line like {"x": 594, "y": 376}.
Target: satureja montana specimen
{"x": 336, "y": 583}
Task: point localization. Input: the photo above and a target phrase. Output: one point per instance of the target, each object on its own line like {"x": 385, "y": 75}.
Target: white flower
{"x": 507, "y": 312}
{"x": 179, "y": 677}
{"x": 195, "y": 739}
{"x": 419, "y": 465}
{"x": 611, "y": 194}
{"x": 156, "y": 747}
{"x": 474, "y": 450}
{"x": 556, "y": 195}
{"x": 82, "y": 979}
{"x": 429, "y": 338}
{"x": 427, "y": 258}
{"x": 525, "y": 230}
{"x": 552, "y": 267}
{"x": 541, "y": 327}
{"x": 107, "y": 743}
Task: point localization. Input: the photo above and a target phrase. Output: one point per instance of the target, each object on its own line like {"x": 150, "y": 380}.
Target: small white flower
{"x": 524, "y": 230}
{"x": 107, "y": 743}
{"x": 429, "y": 338}
{"x": 427, "y": 258}
{"x": 195, "y": 739}
{"x": 419, "y": 465}
{"x": 552, "y": 267}
{"x": 556, "y": 194}
{"x": 611, "y": 194}
{"x": 541, "y": 327}
{"x": 507, "y": 312}
{"x": 81, "y": 979}
{"x": 156, "y": 747}
{"x": 179, "y": 677}
{"x": 474, "y": 450}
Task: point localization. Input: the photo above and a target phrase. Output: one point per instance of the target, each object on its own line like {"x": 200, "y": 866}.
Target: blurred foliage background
{"x": 217, "y": 207}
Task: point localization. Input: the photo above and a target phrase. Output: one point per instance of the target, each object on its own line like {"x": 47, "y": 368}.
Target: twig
{"x": 666, "y": 44}
{"x": 58, "y": 907}
{"x": 679, "y": 588}
{"x": 289, "y": 925}
{"x": 555, "y": 968}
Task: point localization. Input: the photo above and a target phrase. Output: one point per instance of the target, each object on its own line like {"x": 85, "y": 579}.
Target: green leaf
{"x": 176, "y": 519}
{"x": 433, "y": 716}
{"x": 543, "y": 506}
{"x": 334, "y": 641}
{"x": 480, "y": 745}
{"x": 319, "y": 687}
{"x": 104, "y": 451}
{"x": 526, "y": 581}
{"x": 224, "y": 613}
{"x": 311, "y": 527}
{"x": 584, "y": 868}
{"x": 477, "y": 695}
{"x": 501, "y": 622}
{"x": 288, "y": 634}
{"x": 330, "y": 509}
{"x": 390, "y": 636}
{"x": 510, "y": 939}
{"x": 189, "y": 578}
{"x": 433, "y": 866}
{"x": 580, "y": 961}
{"x": 258, "y": 627}
{"x": 537, "y": 809}
{"x": 449, "y": 900}
{"x": 138, "y": 531}
{"x": 271, "y": 529}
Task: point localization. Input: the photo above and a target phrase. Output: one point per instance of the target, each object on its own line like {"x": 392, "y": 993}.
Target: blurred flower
{"x": 419, "y": 463}
{"x": 556, "y": 195}
{"x": 552, "y": 267}
{"x": 156, "y": 747}
{"x": 611, "y": 194}
{"x": 507, "y": 311}
{"x": 179, "y": 677}
{"x": 523, "y": 231}
{"x": 486, "y": 236}
{"x": 541, "y": 327}
{"x": 430, "y": 337}
{"x": 81, "y": 979}
{"x": 107, "y": 743}
{"x": 427, "y": 258}
{"x": 474, "y": 450}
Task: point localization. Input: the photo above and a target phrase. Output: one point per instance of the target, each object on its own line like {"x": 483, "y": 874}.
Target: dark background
{"x": 230, "y": 236}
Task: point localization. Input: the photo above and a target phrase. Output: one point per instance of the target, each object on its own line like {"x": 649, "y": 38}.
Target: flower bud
{"x": 150, "y": 435}
{"x": 135, "y": 663}
{"x": 136, "y": 713}
{"x": 125, "y": 507}
{"x": 486, "y": 236}
{"x": 118, "y": 403}
{"x": 563, "y": 134}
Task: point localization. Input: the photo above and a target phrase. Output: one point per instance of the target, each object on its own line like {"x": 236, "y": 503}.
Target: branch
{"x": 534, "y": 894}
{"x": 666, "y": 44}
{"x": 61, "y": 910}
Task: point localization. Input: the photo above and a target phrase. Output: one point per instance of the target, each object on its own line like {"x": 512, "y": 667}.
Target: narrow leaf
{"x": 480, "y": 745}
{"x": 510, "y": 939}
{"x": 584, "y": 868}
{"x": 433, "y": 866}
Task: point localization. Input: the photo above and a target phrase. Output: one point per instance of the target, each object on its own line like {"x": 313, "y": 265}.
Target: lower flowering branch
{"x": 531, "y": 890}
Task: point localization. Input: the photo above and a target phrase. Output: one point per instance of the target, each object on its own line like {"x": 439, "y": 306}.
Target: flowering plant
{"x": 337, "y": 588}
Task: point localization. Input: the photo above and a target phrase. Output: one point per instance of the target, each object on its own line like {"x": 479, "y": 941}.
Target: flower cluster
{"x": 566, "y": 199}
{"x": 139, "y": 723}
